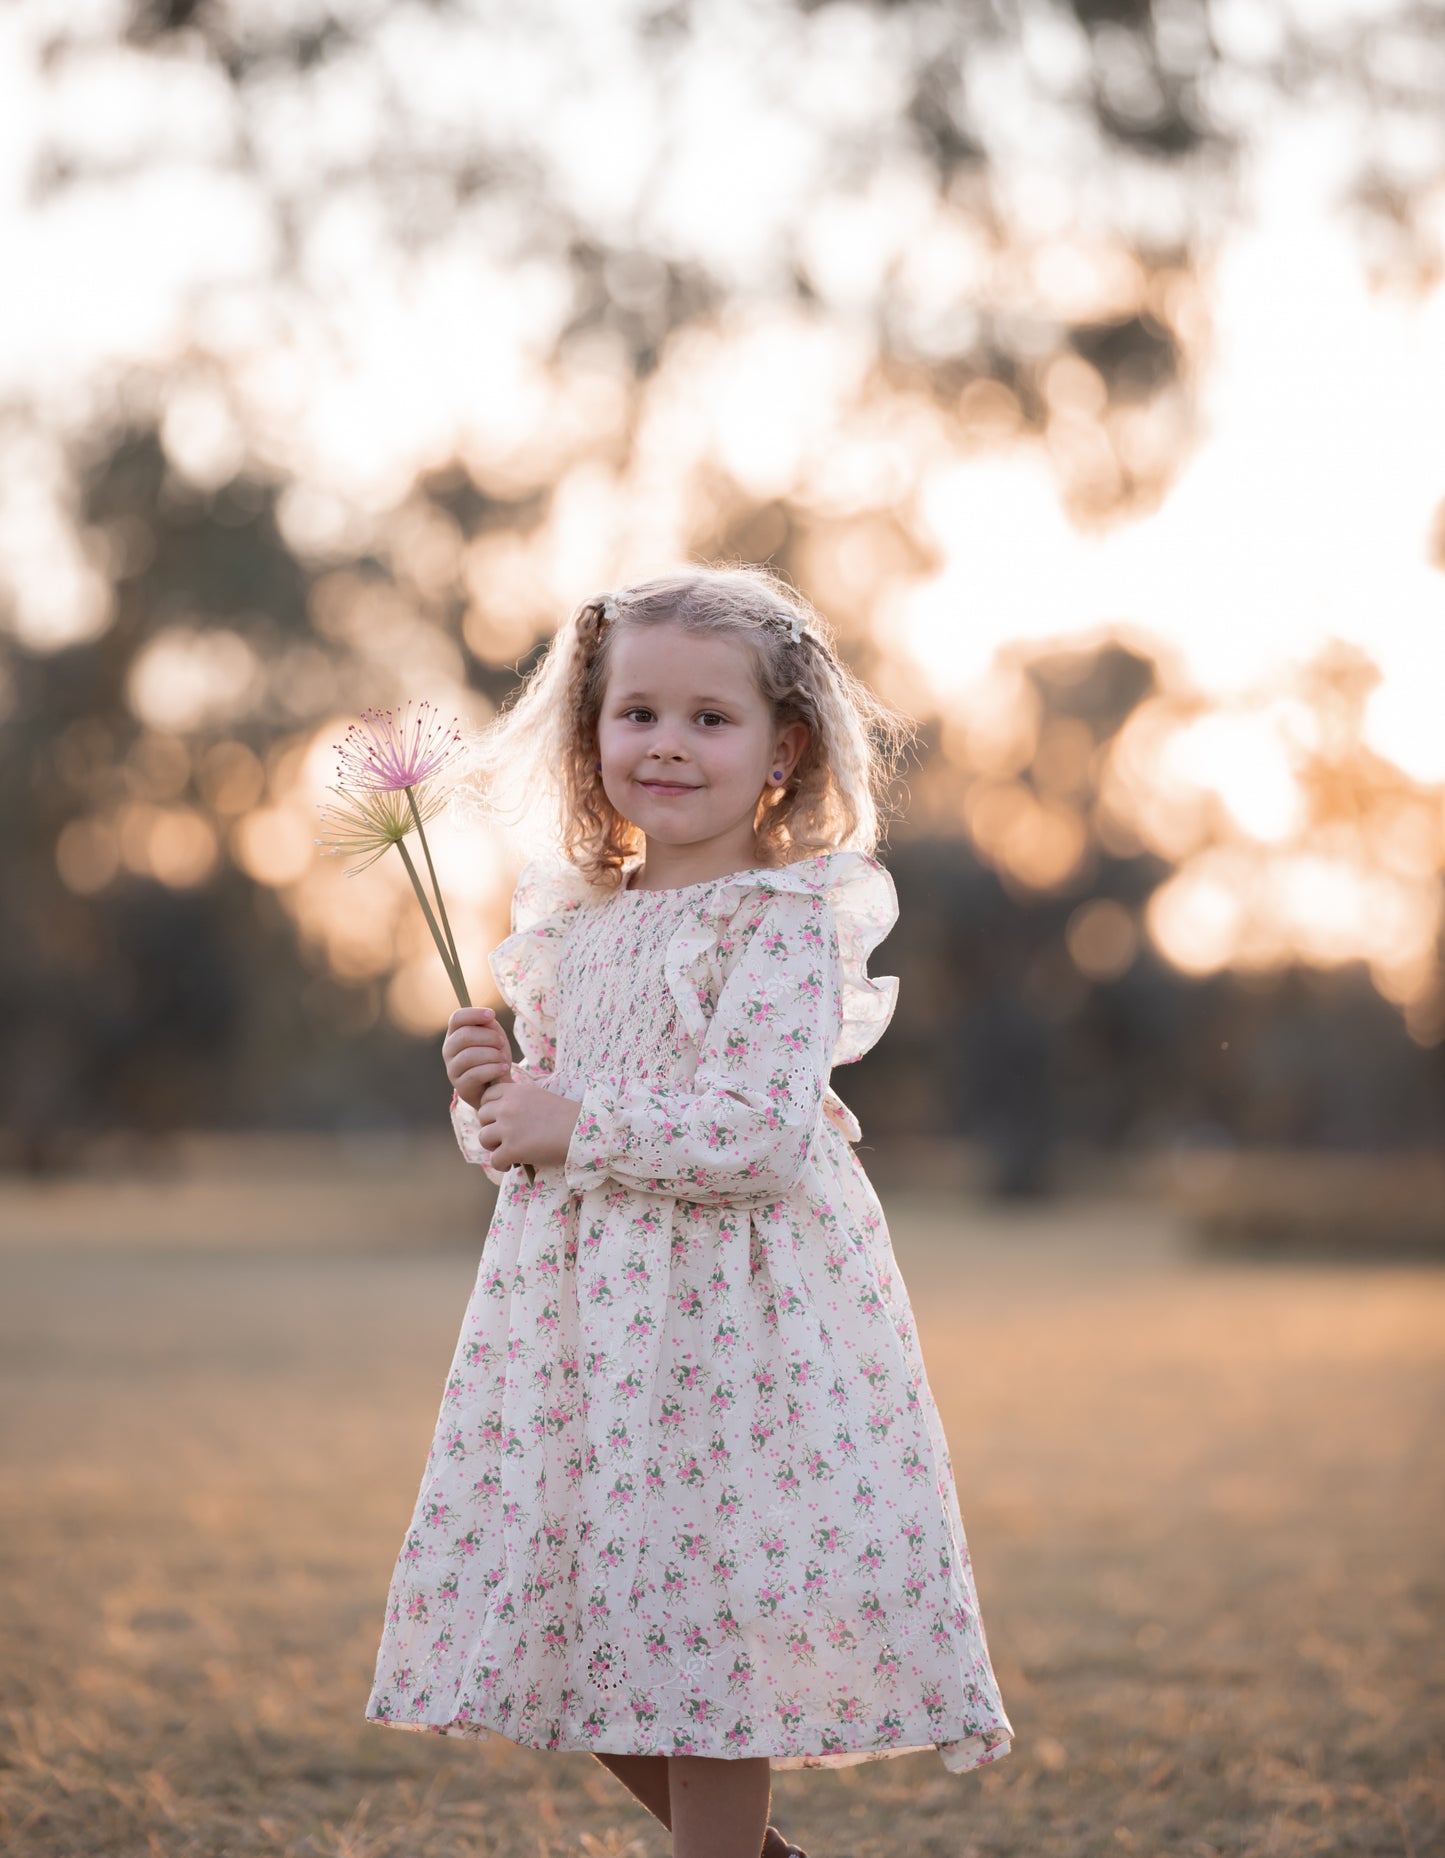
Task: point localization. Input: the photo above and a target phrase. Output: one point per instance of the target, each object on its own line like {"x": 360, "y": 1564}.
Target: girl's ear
{"x": 788, "y": 748}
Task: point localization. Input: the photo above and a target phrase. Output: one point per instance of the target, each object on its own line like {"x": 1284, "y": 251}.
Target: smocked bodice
{"x": 625, "y": 984}
{"x": 616, "y": 1011}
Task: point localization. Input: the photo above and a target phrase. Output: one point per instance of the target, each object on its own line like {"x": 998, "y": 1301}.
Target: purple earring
{"x": 777, "y": 774}
{"x": 599, "y": 767}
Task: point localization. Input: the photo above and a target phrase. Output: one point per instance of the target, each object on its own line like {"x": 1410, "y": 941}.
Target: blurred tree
{"x": 1011, "y": 199}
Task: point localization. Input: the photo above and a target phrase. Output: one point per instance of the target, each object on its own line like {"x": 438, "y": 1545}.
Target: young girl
{"x": 689, "y": 1505}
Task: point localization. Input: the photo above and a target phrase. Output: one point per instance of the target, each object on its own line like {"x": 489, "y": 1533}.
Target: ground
{"x": 1203, "y": 1499}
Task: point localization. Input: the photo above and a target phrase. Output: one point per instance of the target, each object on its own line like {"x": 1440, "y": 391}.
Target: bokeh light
{"x": 1012, "y": 392}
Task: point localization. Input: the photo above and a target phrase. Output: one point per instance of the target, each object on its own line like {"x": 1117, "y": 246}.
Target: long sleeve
{"x": 740, "y": 1130}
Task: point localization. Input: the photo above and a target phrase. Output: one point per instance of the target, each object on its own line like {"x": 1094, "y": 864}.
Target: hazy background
{"x": 1085, "y": 363}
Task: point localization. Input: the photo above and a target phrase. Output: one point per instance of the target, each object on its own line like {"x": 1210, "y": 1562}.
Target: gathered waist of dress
{"x": 565, "y": 1081}
{"x": 572, "y": 1084}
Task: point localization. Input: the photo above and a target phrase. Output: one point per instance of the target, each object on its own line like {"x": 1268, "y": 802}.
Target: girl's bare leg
{"x": 719, "y": 1807}
{"x": 646, "y": 1778}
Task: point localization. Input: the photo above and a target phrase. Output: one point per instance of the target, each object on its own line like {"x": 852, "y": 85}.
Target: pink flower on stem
{"x": 388, "y": 750}
{"x": 385, "y": 760}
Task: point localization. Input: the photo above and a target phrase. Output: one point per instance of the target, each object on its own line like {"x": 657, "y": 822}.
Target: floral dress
{"x": 689, "y": 1493}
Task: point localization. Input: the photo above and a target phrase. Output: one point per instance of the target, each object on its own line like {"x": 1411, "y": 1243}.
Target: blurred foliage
{"x": 150, "y": 1005}
{"x": 1140, "y": 106}
{"x": 147, "y": 987}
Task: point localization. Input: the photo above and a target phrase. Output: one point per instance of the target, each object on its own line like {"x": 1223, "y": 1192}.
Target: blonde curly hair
{"x": 535, "y": 764}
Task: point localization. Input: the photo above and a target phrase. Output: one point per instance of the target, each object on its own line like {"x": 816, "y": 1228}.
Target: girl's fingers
{"x": 469, "y": 1038}
{"x": 471, "y": 1016}
{"x": 488, "y": 1106}
{"x": 474, "y": 1057}
{"x": 497, "y": 1153}
{"x": 477, "y": 1058}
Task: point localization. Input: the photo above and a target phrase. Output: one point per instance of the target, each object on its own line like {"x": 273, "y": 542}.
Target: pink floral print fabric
{"x": 689, "y": 1492}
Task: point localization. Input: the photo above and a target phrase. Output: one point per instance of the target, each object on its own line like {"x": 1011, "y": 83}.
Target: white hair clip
{"x": 609, "y": 608}
{"x": 795, "y": 629}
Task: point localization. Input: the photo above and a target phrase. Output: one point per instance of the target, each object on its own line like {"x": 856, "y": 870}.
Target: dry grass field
{"x": 1203, "y": 1497}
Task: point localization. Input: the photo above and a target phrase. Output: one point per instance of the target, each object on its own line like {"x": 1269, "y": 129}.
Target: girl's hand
{"x": 477, "y": 1052}
{"x": 522, "y": 1121}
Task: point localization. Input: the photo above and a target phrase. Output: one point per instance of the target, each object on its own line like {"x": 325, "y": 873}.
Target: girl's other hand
{"x": 523, "y": 1121}
{"x": 477, "y": 1052}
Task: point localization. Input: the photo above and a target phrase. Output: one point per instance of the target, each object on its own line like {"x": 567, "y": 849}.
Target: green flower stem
{"x": 454, "y": 973}
{"x": 437, "y": 892}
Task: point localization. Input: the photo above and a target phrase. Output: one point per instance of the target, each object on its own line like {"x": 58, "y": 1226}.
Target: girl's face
{"x": 686, "y": 740}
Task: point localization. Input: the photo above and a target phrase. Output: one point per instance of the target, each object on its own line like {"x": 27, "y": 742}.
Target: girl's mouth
{"x": 667, "y": 787}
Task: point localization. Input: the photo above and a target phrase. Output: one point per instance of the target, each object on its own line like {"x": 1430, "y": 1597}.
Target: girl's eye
{"x": 639, "y": 709}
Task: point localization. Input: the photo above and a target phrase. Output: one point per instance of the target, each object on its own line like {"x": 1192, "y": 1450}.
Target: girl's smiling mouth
{"x": 667, "y": 787}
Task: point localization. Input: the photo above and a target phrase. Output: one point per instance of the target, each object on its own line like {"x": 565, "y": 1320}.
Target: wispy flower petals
{"x": 389, "y": 750}
{"x": 368, "y": 820}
